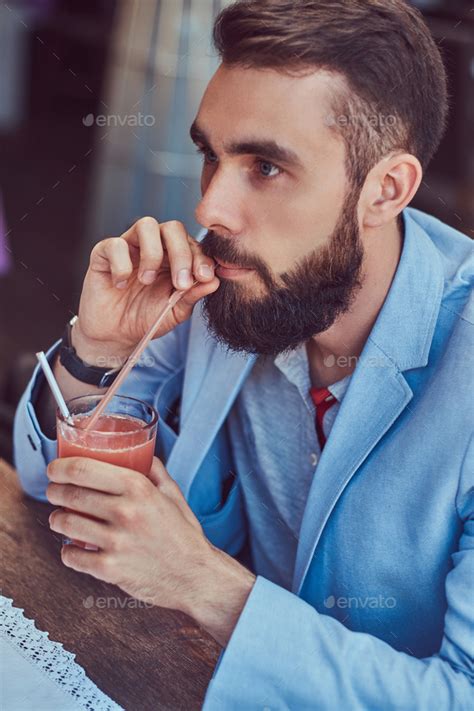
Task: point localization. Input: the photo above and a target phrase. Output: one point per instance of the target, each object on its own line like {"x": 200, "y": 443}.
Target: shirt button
{"x": 314, "y": 458}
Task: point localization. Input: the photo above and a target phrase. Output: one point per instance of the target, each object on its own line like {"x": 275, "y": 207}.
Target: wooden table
{"x": 143, "y": 658}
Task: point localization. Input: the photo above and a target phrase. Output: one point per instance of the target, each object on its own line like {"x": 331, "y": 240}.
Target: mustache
{"x": 224, "y": 249}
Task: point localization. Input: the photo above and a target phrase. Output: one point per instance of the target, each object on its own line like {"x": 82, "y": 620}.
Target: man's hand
{"x": 151, "y": 544}
{"x": 130, "y": 279}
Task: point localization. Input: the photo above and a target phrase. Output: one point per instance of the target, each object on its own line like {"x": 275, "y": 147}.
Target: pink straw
{"x": 134, "y": 357}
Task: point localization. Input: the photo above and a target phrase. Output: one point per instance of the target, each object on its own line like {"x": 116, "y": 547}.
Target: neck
{"x": 334, "y": 354}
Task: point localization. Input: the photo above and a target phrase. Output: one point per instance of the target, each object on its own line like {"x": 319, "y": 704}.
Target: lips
{"x": 225, "y": 270}
{"x": 226, "y": 265}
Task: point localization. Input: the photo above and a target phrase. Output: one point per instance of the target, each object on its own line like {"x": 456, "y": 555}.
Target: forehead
{"x": 264, "y": 103}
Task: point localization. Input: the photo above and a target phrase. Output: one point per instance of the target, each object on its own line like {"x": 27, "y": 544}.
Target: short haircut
{"x": 390, "y": 89}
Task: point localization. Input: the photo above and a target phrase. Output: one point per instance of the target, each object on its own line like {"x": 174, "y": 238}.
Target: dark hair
{"x": 390, "y": 82}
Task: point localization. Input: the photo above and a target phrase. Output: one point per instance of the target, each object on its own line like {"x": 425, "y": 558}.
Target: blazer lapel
{"x": 378, "y": 392}
{"x": 371, "y": 405}
{"x": 212, "y": 382}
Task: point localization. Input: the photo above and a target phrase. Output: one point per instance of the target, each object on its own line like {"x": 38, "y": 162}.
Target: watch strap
{"x": 90, "y": 374}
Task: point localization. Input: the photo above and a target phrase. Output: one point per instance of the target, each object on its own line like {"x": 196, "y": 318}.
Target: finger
{"x": 96, "y": 564}
{"x": 145, "y": 235}
{"x": 165, "y": 483}
{"x": 91, "y": 474}
{"x": 176, "y": 243}
{"x": 113, "y": 255}
{"x": 203, "y": 267}
{"x": 73, "y": 525}
{"x": 77, "y": 498}
{"x": 167, "y": 486}
{"x": 187, "y": 302}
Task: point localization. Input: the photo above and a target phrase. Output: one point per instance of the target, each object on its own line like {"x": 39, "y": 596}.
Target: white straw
{"x": 58, "y": 396}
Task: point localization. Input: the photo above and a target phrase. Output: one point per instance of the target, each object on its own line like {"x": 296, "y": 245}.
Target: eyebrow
{"x": 268, "y": 149}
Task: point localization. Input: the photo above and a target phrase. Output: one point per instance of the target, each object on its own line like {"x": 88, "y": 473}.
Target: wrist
{"x": 103, "y": 354}
{"x": 219, "y": 596}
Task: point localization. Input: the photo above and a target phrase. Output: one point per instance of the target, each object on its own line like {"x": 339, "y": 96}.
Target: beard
{"x": 321, "y": 287}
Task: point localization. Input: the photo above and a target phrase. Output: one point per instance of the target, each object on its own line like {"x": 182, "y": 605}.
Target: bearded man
{"x": 311, "y": 502}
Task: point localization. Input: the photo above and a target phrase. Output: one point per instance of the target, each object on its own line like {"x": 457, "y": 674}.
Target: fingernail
{"x": 148, "y": 277}
{"x": 122, "y": 284}
{"x": 184, "y": 278}
{"x": 90, "y": 547}
{"x": 205, "y": 271}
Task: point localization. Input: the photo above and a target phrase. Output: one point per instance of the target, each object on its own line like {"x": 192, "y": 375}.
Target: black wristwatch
{"x": 90, "y": 374}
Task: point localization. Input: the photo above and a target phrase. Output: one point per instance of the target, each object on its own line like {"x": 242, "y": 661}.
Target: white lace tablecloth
{"x": 37, "y": 673}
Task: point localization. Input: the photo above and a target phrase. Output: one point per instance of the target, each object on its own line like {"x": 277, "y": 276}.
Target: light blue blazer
{"x": 381, "y": 611}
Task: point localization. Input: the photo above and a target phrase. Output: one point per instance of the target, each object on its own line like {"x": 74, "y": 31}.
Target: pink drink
{"x": 125, "y": 438}
{"x": 132, "y": 448}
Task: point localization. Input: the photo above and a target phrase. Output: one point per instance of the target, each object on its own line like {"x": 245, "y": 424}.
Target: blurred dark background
{"x": 96, "y": 99}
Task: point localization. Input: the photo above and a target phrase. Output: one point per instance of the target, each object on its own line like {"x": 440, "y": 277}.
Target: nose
{"x": 219, "y": 207}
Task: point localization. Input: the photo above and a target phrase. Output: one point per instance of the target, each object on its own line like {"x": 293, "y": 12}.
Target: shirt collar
{"x": 339, "y": 388}
{"x": 294, "y": 365}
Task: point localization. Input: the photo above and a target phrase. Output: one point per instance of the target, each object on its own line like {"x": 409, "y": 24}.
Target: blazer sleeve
{"x": 283, "y": 654}
{"x": 33, "y": 450}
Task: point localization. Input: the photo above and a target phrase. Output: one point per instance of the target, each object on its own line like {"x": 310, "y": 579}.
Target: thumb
{"x": 167, "y": 485}
{"x": 164, "y": 482}
{"x": 160, "y": 477}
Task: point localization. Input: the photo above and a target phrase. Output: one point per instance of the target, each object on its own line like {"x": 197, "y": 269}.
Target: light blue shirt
{"x": 276, "y": 451}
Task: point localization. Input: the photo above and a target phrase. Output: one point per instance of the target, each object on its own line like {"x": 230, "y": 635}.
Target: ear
{"x": 389, "y": 187}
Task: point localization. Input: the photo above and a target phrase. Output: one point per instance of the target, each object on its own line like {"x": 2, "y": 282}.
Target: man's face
{"x": 276, "y": 200}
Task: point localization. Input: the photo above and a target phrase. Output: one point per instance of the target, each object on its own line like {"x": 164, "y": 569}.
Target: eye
{"x": 207, "y": 155}
{"x": 268, "y": 170}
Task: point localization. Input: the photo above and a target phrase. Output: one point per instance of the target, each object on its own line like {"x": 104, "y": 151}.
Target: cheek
{"x": 284, "y": 232}
{"x": 296, "y": 222}
{"x": 281, "y": 257}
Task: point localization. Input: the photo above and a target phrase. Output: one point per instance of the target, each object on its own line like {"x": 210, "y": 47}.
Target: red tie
{"x": 323, "y": 400}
